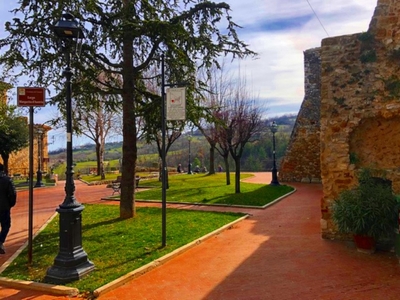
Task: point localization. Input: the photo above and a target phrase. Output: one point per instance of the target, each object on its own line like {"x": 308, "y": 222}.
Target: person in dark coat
{"x": 8, "y": 198}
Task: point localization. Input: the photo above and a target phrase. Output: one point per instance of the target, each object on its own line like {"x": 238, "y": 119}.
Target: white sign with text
{"x": 176, "y": 104}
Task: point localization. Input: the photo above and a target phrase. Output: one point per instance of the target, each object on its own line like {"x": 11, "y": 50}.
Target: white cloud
{"x": 278, "y": 73}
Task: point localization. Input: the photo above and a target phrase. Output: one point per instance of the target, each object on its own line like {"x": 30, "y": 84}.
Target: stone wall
{"x": 360, "y": 106}
{"x": 302, "y": 157}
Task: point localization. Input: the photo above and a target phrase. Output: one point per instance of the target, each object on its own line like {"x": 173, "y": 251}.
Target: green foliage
{"x": 188, "y": 33}
{"x": 353, "y": 158}
{"x": 368, "y": 45}
{"x": 394, "y": 55}
{"x": 14, "y": 133}
{"x": 392, "y": 85}
{"x": 257, "y": 156}
{"x": 49, "y": 180}
{"x": 339, "y": 100}
{"x": 196, "y": 162}
{"x": 126, "y": 40}
{"x": 118, "y": 246}
{"x": 368, "y": 56}
{"x": 253, "y": 163}
{"x": 366, "y": 37}
{"x": 368, "y": 209}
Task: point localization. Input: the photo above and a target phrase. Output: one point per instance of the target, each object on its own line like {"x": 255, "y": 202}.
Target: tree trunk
{"x": 227, "y": 172}
{"x": 102, "y": 143}
{"x": 5, "y": 158}
{"x": 102, "y": 173}
{"x": 129, "y": 150}
{"x": 237, "y": 175}
{"x": 212, "y": 160}
{"x": 98, "y": 163}
{"x": 100, "y": 159}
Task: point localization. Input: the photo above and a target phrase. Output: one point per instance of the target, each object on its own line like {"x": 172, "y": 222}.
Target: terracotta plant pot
{"x": 365, "y": 244}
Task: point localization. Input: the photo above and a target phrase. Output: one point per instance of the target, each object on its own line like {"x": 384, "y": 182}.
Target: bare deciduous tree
{"x": 239, "y": 122}
{"x": 97, "y": 124}
{"x": 218, "y": 87}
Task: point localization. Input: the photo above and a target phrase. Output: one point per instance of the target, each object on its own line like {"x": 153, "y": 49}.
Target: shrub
{"x": 368, "y": 209}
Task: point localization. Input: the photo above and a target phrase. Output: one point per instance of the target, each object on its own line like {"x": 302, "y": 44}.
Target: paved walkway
{"x": 277, "y": 253}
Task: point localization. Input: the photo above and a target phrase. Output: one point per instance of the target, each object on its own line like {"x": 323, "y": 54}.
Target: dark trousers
{"x": 5, "y": 222}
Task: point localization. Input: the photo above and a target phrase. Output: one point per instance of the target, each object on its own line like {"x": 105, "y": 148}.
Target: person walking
{"x": 8, "y": 198}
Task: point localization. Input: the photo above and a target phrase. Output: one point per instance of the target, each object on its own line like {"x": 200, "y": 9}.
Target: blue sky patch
{"x": 282, "y": 24}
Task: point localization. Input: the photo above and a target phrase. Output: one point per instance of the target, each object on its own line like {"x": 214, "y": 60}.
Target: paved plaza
{"x": 276, "y": 253}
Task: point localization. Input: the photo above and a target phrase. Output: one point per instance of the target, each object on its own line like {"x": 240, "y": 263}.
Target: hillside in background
{"x": 256, "y": 157}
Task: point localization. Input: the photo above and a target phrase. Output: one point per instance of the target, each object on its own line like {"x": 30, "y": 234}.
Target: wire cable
{"x": 322, "y": 25}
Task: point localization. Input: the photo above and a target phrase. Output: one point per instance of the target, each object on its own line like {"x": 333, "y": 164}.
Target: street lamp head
{"x": 274, "y": 127}
{"x": 70, "y": 34}
{"x": 68, "y": 28}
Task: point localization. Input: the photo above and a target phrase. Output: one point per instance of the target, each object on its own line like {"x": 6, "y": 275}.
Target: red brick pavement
{"x": 277, "y": 253}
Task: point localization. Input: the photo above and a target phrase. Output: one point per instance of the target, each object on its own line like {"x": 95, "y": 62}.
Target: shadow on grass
{"x": 102, "y": 223}
{"x": 251, "y": 194}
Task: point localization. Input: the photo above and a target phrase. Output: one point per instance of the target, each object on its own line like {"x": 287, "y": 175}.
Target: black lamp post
{"x": 71, "y": 262}
{"x": 39, "y": 134}
{"x": 274, "y": 129}
{"x": 189, "y": 138}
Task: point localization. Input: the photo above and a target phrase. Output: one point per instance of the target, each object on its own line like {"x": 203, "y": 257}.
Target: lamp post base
{"x": 190, "y": 169}
{"x": 274, "y": 180}
{"x": 39, "y": 177}
{"x": 71, "y": 263}
{"x": 62, "y": 275}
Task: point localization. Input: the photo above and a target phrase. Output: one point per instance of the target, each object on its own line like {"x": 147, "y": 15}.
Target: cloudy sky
{"x": 279, "y": 31}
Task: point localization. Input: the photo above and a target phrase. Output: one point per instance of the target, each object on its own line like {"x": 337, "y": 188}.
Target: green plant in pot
{"x": 367, "y": 211}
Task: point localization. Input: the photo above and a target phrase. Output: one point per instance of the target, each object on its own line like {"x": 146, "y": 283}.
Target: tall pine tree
{"x": 123, "y": 38}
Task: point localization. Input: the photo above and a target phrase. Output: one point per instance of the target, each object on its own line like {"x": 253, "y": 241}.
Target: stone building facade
{"x": 302, "y": 158}
{"x": 19, "y": 162}
{"x": 360, "y": 106}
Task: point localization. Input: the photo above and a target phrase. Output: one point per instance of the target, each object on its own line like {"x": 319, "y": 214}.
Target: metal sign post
{"x": 163, "y": 158}
{"x": 175, "y": 109}
{"x": 31, "y": 97}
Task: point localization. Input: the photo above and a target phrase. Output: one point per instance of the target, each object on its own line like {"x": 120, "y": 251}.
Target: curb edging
{"x": 162, "y": 260}
{"x": 37, "y": 286}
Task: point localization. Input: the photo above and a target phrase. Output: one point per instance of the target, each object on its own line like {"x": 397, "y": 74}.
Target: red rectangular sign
{"x": 31, "y": 96}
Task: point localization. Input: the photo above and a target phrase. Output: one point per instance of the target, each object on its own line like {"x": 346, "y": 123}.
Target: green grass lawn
{"x": 212, "y": 189}
{"x": 117, "y": 246}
